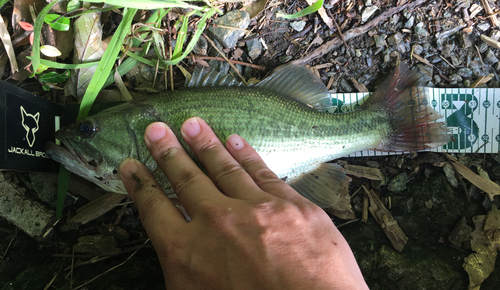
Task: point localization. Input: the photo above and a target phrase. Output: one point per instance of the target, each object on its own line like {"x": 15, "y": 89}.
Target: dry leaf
{"x": 88, "y": 47}
{"x": 485, "y": 242}
{"x": 254, "y": 8}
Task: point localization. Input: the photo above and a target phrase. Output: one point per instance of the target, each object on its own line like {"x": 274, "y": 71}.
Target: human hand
{"x": 249, "y": 229}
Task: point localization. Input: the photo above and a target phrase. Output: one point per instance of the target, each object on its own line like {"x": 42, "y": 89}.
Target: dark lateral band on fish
{"x": 283, "y": 117}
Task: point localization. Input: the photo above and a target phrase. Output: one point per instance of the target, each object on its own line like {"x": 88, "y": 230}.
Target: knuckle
{"x": 150, "y": 207}
{"x": 167, "y": 154}
{"x": 183, "y": 180}
{"x": 226, "y": 171}
{"x": 206, "y": 146}
{"x": 265, "y": 176}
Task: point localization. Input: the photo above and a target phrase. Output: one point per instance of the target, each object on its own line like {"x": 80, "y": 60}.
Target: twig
{"x": 263, "y": 34}
{"x": 340, "y": 32}
{"x": 233, "y": 61}
{"x": 355, "y": 32}
{"x": 110, "y": 269}
{"x": 224, "y": 56}
{"x": 8, "y": 247}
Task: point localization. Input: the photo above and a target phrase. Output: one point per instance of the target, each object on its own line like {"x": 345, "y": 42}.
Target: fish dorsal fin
{"x": 210, "y": 77}
{"x": 295, "y": 82}
{"x": 328, "y": 187}
{"x": 299, "y": 84}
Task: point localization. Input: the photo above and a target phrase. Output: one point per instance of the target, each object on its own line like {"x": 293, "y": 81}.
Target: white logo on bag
{"x": 30, "y": 124}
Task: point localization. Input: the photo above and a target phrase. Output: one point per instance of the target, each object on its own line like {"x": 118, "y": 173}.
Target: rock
{"x": 30, "y": 216}
{"x": 226, "y": 36}
{"x": 398, "y": 183}
{"x": 298, "y": 25}
{"x": 420, "y": 30}
{"x": 450, "y": 174}
{"x": 254, "y": 48}
{"x": 417, "y": 49}
{"x": 368, "y": 3}
{"x": 410, "y": 22}
{"x": 448, "y": 49}
{"x": 483, "y": 26}
{"x": 368, "y": 12}
{"x": 380, "y": 40}
{"x": 476, "y": 68}
{"x": 455, "y": 78}
{"x": 461, "y": 233}
{"x": 496, "y": 170}
{"x": 483, "y": 47}
{"x": 345, "y": 86}
{"x": 44, "y": 186}
{"x": 455, "y": 61}
{"x": 490, "y": 57}
{"x": 373, "y": 164}
{"x": 465, "y": 72}
{"x": 495, "y": 34}
{"x": 464, "y": 40}
{"x": 426, "y": 72}
{"x": 395, "y": 39}
{"x": 437, "y": 79}
{"x": 200, "y": 48}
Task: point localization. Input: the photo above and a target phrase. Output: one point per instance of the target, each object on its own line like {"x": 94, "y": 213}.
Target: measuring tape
{"x": 472, "y": 115}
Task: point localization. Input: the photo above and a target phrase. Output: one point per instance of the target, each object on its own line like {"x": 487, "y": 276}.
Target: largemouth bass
{"x": 283, "y": 117}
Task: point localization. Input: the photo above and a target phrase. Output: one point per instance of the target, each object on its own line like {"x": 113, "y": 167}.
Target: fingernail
{"x": 155, "y": 132}
{"x": 191, "y": 127}
{"x": 235, "y": 142}
{"x": 128, "y": 167}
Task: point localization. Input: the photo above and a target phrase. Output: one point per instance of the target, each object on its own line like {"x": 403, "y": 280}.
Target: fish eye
{"x": 87, "y": 129}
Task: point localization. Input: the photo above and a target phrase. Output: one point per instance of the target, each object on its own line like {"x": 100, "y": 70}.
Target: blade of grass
{"x": 107, "y": 62}
{"x": 311, "y": 9}
{"x": 199, "y": 30}
{"x": 130, "y": 63}
{"x": 2, "y": 2}
{"x": 103, "y": 69}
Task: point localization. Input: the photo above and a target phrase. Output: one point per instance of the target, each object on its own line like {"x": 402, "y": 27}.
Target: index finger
{"x": 190, "y": 184}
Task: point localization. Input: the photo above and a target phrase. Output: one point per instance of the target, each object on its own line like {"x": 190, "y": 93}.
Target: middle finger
{"x": 225, "y": 171}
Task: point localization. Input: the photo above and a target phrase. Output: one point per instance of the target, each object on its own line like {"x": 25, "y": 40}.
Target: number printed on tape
{"x": 472, "y": 115}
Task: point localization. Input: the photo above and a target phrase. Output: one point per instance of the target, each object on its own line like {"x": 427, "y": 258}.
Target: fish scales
{"x": 288, "y": 135}
{"x": 283, "y": 117}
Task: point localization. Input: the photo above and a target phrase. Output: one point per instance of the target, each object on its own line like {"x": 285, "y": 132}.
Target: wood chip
{"x": 474, "y": 10}
{"x": 384, "y": 218}
{"x": 421, "y": 59}
{"x": 359, "y": 86}
{"x": 490, "y": 41}
{"x": 365, "y": 172}
{"x": 482, "y": 80}
{"x": 491, "y": 15}
{"x": 97, "y": 207}
{"x": 488, "y": 186}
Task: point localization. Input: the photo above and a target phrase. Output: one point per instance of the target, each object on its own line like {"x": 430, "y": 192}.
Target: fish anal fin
{"x": 328, "y": 187}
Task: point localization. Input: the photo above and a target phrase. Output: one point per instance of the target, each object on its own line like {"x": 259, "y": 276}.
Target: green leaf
{"x": 311, "y": 9}
{"x": 50, "y": 51}
{"x": 46, "y": 88}
{"x": 73, "y": 5}
{"x": 107, "y": 62}
{"x": 37, "y": 29}
{"x": 54, "y": 78}
{"x": 57, "y": 22}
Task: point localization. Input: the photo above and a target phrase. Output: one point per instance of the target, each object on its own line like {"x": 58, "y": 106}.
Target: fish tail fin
{"x": 412, "y": 120}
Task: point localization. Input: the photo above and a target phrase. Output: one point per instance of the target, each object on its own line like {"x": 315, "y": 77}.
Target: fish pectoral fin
{"x": 328, "y": 187}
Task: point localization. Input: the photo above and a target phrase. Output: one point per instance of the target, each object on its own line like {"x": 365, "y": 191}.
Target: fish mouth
{"x": 67, "y": 156}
